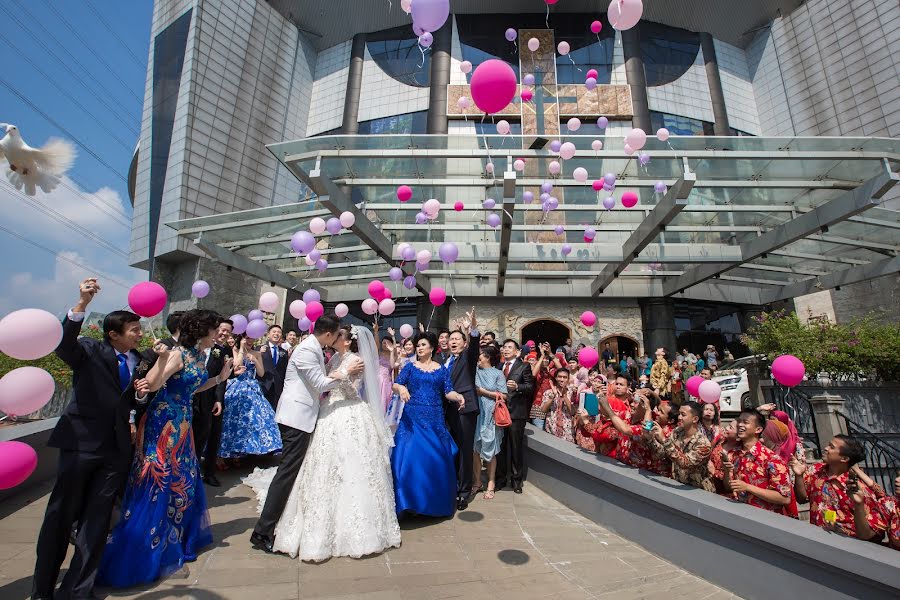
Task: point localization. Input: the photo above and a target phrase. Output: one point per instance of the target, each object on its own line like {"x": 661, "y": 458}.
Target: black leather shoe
{"x": 261, "y": 543}
{"x": 211, "y": 480}
{"x": 462, "y": 504}
{"x": 517, "y": 488}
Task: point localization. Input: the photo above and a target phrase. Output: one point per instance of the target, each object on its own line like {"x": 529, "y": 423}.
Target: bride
{"x": 342, "y": 503}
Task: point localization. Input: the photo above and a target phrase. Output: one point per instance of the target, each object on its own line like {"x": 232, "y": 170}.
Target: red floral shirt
{"x": 764, "y": 469}
{"x": 889, "y": 511}
{"x": 632, "y": 450}
{"x": 604, "y": 434}
{"x": 829, "y": 492}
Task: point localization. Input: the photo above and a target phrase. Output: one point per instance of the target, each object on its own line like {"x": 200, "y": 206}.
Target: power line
{"x": 58, "y": 255}
{"x": 113, "y": 33}
{"x": 53, "y": 121}
{"x": 100, "y": 204}
{"x": 66, "y": 65}
{"x": 97, "y": 55}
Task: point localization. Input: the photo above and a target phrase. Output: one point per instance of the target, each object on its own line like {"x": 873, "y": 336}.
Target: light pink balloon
{"x": 636, "y": 138}
{"x": 534, "y": 44}
{"x": 563, "y": 48}
{"x": 503, "y": 127}
{"x": 29, "y": 334}
{"x": 406, "y": 331}
{"x": 662, "y": 134}
{"x": 489, "y": 168}
{"x": 710, "y": 391}
{"x": 554, "y": 167}
{"x": 17, "y": 462}
{"x": 628, "y": 150}
{"x": 580, "y": 174}
{"x": 25, "y": 390}
{"x": 519, "y": 165}
{"x": 597, "y": 145}
{"x": 567, "y": 151}
{"x": 431, "y": 208}
{"x": 369, "y": 306}
{"x": 465, "y": 66}
{"x": 341, "y": 310}
{"x": 268, "y": 302}
{"x": 347, "y": 219}
{"x": 624, "y": 14}
{"x": 464, "y": 102}
{"x": 423, "y": 256}
{"x": 573, "y": 124}
{"x": 386, "y": 307}
{"x": 297, "y": 309}
{"x": 317, "y": 225}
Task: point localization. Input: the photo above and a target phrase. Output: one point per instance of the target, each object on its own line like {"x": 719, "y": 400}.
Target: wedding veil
{"x": 371, "y": 390}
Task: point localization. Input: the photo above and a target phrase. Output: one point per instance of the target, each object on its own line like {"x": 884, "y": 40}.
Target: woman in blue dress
{"x": 164, "y": 518}
{"x": 248, "y": 421}
{"x": 491, "y": 386}
{"x": 424, "y": 453}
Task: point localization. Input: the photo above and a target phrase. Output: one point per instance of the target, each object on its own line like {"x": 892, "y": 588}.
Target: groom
{"x": 298, "y": 410}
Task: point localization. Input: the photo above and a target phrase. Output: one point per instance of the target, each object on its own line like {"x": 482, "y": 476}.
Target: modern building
{"x": 779, "y": 174}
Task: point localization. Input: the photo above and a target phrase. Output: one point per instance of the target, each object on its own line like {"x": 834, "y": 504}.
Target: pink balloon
{"x": 503, "y": 127}
{"x": 465, "y": 66}
{"x": 25, "y": 390}
{"x": 526, "y": 95}
{"x": 554, "y": 167}
{"x": 317, "y": 225}
{"x": 29, "y": 334}
{"x": 386, "y": 306}
{"x": 17, "y": 462}
{"x": 437, "y": 295}
{"x": 406, "y": 331}
{"x": 431, "y": 208}
{"x": 693, "y": 385}
{"x": 588, "y": 319}
{"x": 424, "y": 256}
{"x": 404, "y": 193}
{"x": 788, "y": 370}
{"x": 567, "y": 151}
{"x": 147, "y": 298}
{"x": 314, "y": 310}
{"x": 580, "y": 174}
{"x": 341, "y": 310}
{"x": 369, "y": 306}
{"x": 519, "y": 165}
{"x": 624, "y": 14}
{"x": 297, "y": 309}
{"x": 596, "y": 27}
{"x": 376, "y": 288}
{"x": 662, "y": 134}
{"x": 597, "y": 145}
{"x": 493, "y": 85}
{"x": 268, "y": 302}
{"x": 458, "y": 206}
{"x": 563, "y": 48}
{"x": 629, "y": 199}
{"x": 588, "y": 357}
{"x": 347, "y": 219}
{"x": 636, "y": 138}
{"x": 534, "y": 44}
{"x": 709, "y": 391}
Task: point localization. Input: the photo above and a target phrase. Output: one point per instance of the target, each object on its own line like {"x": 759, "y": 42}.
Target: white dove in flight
{"x": 33, "y": 168}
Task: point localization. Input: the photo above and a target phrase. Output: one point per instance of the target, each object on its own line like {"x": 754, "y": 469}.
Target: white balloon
{"x": 563, "y": 48}
{"x": 406, "y": 5}
{"x": 534, "y": 44}
{"x": 597, "y": 145}
{"x": 503, "y": 127}
{"x": 574, "y": 124}
{"x": 580, "y": 174}
{"x": 567, "y": 151}
{"x": 317, "y": 225}
{"x": 662, "y": 134}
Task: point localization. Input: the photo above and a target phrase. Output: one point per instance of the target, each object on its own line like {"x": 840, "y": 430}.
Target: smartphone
{"x": 648, "y": 425}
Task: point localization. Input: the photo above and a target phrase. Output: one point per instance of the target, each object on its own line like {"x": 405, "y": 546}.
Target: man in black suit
{"x": 208, "y": 406}
{"x": 95, "y": 443}
{"x": 462, "y": 422}
{"x": 520, "y": 383}
{"x": 173, "y": 324}
{"x": 275, "y": 361}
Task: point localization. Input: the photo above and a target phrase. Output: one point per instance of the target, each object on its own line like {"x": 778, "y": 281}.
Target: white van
{"x": 735, "y": 384}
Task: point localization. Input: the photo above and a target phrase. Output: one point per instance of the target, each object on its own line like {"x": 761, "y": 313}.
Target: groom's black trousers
{"x": 294, "y": 444}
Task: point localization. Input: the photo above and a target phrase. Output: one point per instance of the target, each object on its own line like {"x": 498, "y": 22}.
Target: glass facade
{"x": 410, "y": 123}
{"x": 168, "y": 60}
{"x": 398, "y": 54}
{"x": 678, "y": 125}
{"x": 668, "y": 52}
{"x": 587, "y": 50}
{"x": 699, "y": 324}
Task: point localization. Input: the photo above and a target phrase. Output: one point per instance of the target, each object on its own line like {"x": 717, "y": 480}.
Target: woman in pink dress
{"x": 387, "y": 360}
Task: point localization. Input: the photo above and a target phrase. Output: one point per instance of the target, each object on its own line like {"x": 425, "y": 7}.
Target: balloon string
{"x": 452, "y": 289}
{"x": 547, "y": 18}
{"x": 422, "y": 50}
{"x": 573, "y": 63}
{"x": 428, "y": 326}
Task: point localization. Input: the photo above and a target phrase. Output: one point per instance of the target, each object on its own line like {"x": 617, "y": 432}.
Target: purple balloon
{"x": 660, "y": 187}
{"x": 417, "y": 30}
{"x": 545, "y": 196}
{"x": 590, "y": 233}
{"x": 321, "y": 265}
{"x": 302, "y": 242}
{"x": 314, "y": 255}
{"x": 559, "y": 230}
{"x": 528, "y": 197}
{"x": 408, "y": 254}
{"x": 644, "y": 159}
{"x": 553, "y": 202}
{"x": 489, "y": 204}
{"x": 493, "y": 220}
{"x": 256, "y": 328}
{"x": 609, "y": 202}
{"x": 610, "y": 179}
{"x": 200, "y": 289}
{"x": 410, "y": 282}
{"x": 311, "y": 296}
{"x": 421, "y": 218}
{"x": 602, "y": 123}
{"x": 547, "y": 187}
{"x": 590, "y": 83}
{"x": 566, "y": 249}
{"x": 545, "y": 206}
{"x": 555, "y": 145}
{"x": 528, "y": 79}
{"x": 303, "y": 324}
{"x": 430, "y": 14}
{"x": 255, "y": 315}
{"x": 448, "y": 252}
{"x": 333, "y": 226}
{"x": 511, "y": 35}
{"x": 421, "y": 266}
{"x": 240, "y": 323}
{"x": 607, "y": 187}
{"x": 395, "y": 274}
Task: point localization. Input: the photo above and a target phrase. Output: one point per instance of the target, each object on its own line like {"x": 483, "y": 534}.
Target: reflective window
{"x": 398, "y": 54}
{"x": 668, "y": 52}
{"x": 415, "y": 122}
{"x": 587, "y": 50}
{"x": 678, "y": 125}
{"x": 481, "y": 37}
{"x": 699, "y": 324}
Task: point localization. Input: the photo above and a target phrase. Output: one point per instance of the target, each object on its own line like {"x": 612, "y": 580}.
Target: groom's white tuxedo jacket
{"x": 304, "y": 383}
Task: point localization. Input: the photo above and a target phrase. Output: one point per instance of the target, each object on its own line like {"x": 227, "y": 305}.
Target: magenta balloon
{"x": 376, "y": 288}
{"x": 430, "y": 15}
{"x": 458, "y": 206}
{"x": 147, "y": 298}
{"x": 493, "y": 85}
{"x": 437, "y": 295}
{"x": 314, "y": 310}
{"x": 25, "y": 390}
{"x": 395, "y": 274}
{"x": 17, "y": 462}
{"x": 588, "y": 357}
{"x": 404, "y": 193}
{"x": 788, "y": 370}
{"x": 588, "y": 319}
{"x": 297, "y": 309}
{"x": 408, "y": 254}
{"x": 592, "y": 73}
{"x": 200, "y": 289}
{"x": 303, "y": 242}
{"x": 609, "y": 203}
{"x": 29, "y": 334}
{"x": 303, "y": 324}
{"x": 693, "y": 385}
{"x": 448, "y": 252}
{"x": 255, "y": 315}
{"x": 629, "y": 199}
{"x": 597, "y": 184}
{"x": 709, "y": 391}
{"x": 409, "y": 282}
{"x": 596, "y": 27}
{"x": 311, "y": 296}
{"x": 526, "y": 95}
{"x": 493, "y": 220}
{"x": 386, "y": 307}
{"x": 256, "y": 329}
{"x": 239, "y": 323}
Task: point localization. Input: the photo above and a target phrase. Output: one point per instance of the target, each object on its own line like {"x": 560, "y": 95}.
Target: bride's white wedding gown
{"x": 342, "y": 503}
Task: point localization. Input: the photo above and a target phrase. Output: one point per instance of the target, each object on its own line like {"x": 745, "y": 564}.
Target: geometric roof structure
{"x": 748, "y": 220}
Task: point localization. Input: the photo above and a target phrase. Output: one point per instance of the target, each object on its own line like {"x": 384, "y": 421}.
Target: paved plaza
{"x": 515, "y": 546}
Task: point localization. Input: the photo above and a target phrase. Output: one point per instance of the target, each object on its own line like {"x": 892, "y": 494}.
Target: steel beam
{"x": 841, "y": 208}
{"x": 509, "y": 208}
{"x": 662, "y": 214}
{"x": 250, "y": 267}
{"x": 837, "y": 278}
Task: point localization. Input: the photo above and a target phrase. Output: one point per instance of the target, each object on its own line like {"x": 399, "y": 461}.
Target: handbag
{"x": 501, "y": 414}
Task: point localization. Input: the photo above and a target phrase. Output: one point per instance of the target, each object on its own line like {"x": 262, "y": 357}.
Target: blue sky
{"x": 66, "y": 62}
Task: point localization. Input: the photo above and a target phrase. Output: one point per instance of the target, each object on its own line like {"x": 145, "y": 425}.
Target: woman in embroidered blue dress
{"x": 422, "y": 460}
{"x": 248, "y": 423}
{"x": 164, "y": 518}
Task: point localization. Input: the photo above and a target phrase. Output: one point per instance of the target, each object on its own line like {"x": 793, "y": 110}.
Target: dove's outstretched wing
{"x": 55, "y": 157}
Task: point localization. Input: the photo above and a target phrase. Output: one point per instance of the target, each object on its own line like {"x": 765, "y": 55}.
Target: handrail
{"x": 882, "y": 460}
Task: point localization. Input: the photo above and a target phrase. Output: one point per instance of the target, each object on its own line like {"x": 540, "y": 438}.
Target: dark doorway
{"x": 619, "y": 344}
{"x": 546, "y": 330}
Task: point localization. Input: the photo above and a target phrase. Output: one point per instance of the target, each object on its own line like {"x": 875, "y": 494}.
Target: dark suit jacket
{"x": 519, "y": 402}
{"x": 273, "y": 381}
{"x": 462, "y": 375}
{"x": 96, "y": 420}
{"x": 213, "y": 368}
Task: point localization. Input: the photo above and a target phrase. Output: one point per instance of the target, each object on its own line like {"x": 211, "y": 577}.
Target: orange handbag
{"x": 501, "y": 414}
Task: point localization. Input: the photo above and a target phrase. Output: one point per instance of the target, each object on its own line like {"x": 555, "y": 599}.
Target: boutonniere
{"x": 143, "y": 367}
{"x": 216, "y": 352}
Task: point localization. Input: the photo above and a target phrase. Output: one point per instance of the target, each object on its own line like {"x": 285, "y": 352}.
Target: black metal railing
{"x": 882, "y": 461}
{"x": 798, "y": 407}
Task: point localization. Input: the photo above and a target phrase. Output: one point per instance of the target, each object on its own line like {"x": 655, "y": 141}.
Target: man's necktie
{"x": 275, "y": 355}
{"x": 450, "y": 363}
{"x": 506, "y": 369}
{"x": 124, "y": 373}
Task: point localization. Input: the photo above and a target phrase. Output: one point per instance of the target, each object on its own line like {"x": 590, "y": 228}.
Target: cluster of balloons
{"x": 408, "y": 254}
{"x": 381, "y": 300}
{"x": 428, "y": 16}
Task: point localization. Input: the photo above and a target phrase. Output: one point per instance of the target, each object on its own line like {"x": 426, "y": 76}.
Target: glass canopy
{"x": 742, "y": 219}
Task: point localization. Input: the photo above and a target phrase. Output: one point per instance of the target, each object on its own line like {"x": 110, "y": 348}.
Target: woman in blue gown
{"x": 164, "y": 519}
{"x": 248, "y": 423}
{"x": 424, "y": 453}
